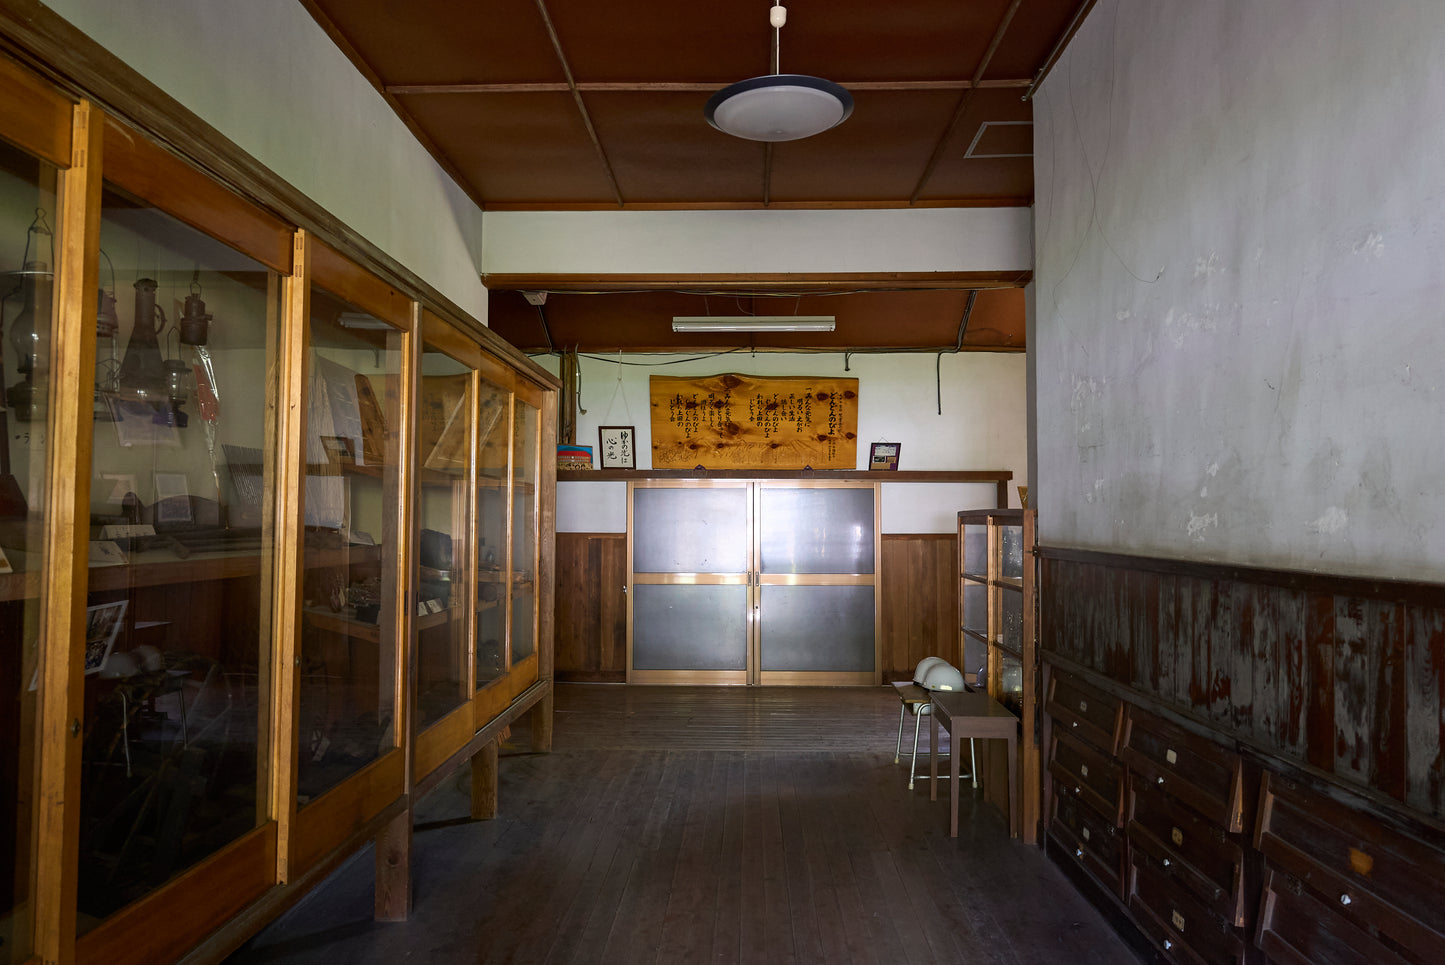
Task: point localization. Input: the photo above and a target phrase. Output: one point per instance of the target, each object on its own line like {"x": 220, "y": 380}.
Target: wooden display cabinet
{"x": 212, "y": 525}
{"x": 997, "y": 644}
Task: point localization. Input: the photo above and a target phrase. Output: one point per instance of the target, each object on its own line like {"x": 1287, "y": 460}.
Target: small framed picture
{"x": 617, "y": 446}
{"x": 102, "y": 626}
{"x": 884, "y": 456}
{"x": 173, "y": 498}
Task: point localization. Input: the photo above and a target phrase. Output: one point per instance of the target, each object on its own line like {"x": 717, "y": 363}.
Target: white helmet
{"x": 925, "y": 665}
{"x": 943, "y": 676}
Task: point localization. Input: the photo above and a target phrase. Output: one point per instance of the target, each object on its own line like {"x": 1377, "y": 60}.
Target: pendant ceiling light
{"x": 777, "y": 106}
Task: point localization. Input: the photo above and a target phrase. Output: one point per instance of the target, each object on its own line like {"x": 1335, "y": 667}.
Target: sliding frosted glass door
{"x": 691, "y": 597}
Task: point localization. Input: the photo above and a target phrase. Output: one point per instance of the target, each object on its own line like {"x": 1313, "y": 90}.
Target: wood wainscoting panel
{"x": 919, "y": 600}
{"x": 591, "y": 607}
{"x": 1345, "y": 675}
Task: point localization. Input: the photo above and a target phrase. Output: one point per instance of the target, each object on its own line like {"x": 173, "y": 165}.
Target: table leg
{"x": 954, "y": 742}
{"x": 1013, "y": 786}
{"x": 933, "y": 756}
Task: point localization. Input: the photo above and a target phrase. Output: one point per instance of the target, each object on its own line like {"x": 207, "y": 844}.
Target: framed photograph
{"x": 102, "y": 626}
{"x": 884, "y": 456}
{"x": 173, "y": 498}
{"x": 617, "y": 447}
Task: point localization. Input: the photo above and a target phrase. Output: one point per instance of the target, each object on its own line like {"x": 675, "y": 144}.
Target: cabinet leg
{"x": 393, "y": 869}
{"x": 542, "y": 725}
{"x": 484, "y": 783}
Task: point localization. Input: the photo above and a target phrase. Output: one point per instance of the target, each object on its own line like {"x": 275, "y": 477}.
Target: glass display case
{"x": 266, "y": 525}
{"x": 997, "y": 636}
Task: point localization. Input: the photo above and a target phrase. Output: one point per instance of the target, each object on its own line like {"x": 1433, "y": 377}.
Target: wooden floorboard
{"x": 682, "y": 824}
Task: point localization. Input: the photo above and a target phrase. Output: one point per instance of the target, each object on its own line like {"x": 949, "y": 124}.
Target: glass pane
{"x": 975, "y": 607}
{"x": 1011, "y": 682}
{"x": 1013, "y": 552}
{"x": 349, "y": 621}
{"x": 817, "y": 628}
{"x": 1013, "y": 618}
{"x": 689, "y": 627}
{"x": 975, "y": 549}
{"x": 526, "y": 442}
{"x": 816, "y": 530}
{"x": 494, "y": 453}
{"x": 177, "y": 676}
{"x": 27, "y": 257}
{"x": 444, "y": 440}
{"x": 690, "y": 530}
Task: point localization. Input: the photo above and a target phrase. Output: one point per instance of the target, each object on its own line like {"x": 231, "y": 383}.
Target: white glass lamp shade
{"x": 778, "y": 107}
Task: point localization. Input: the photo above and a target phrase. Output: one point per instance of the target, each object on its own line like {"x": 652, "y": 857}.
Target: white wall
{"x": 1239, "y": 284}
{"x": 757, "y": 242}
{"x": 266, "y": 76}
{"x": 982, "y": 425}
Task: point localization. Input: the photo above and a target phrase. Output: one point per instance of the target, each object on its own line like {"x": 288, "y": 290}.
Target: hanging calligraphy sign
{"x": 754, "y": 422}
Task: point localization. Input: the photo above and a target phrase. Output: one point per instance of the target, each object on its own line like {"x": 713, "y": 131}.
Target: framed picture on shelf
{"x": 102, "y": 626}
{"x": 617, "y": 447}
{"x": 884, "y": 456}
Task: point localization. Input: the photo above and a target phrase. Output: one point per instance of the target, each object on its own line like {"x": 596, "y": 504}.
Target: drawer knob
{"x": 1166, "y": 862}
{"x": 1078, "y": 852}
{"x": 1075, "y": 724}
{"x": 1078, "y": 790}
{"x": 1344, "y": 899}
{"x": 1168, "y": 944}
{"x": 1160, "y": 781}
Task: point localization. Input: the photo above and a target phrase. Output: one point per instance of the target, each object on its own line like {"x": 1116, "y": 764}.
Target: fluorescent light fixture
{"x": 363, "y": 322}
{"x": 752, "y": 323}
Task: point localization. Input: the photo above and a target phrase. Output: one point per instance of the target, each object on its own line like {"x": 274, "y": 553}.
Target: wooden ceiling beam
{"x": 577, "y": 99}
{"x": 780, "y": 282}
{"x": 965, "y": 100}
{"x": 684, "y": 87}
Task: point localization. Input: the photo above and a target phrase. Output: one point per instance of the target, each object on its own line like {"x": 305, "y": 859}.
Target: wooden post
{"x": 542, "y": 725}
{"x": 484, "y": 783}
{"x": 393, "y": 869}
{"x": 66, "y": 572}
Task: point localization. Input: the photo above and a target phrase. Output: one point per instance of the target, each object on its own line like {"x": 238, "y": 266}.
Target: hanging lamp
{"x": 778, "y": 106}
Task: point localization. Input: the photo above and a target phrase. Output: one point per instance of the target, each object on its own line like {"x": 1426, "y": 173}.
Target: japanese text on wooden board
{"x": 752, "y": 422}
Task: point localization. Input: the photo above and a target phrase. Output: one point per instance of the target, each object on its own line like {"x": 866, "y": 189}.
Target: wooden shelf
{"x": 347, "y": 626}
{"x": 999, "y": 476}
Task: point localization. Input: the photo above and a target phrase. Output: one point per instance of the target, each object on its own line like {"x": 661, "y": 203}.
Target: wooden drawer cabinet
{"x": 1177, "y": 920}
{"x": 1085, "y": 711}
{"x": 1384, "y": 881}
{"x": 1086, "y": 773}
{"x": 1299, "y": 928}
{"x": 1092, "y": 841}
{"x": 1202, "y": 774}
{"x": 1190, "y": 849}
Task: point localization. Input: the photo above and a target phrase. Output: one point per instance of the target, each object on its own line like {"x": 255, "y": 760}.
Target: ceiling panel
{"x": 445, "y": 42}
{"x": 877, "y": 155}
{"x": 515, "y": 147}
{"x": 662, "y": 151}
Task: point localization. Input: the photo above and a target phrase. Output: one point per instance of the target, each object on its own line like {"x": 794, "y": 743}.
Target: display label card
{"x": 127, "y": 531}
{"x": 106, "y": 553}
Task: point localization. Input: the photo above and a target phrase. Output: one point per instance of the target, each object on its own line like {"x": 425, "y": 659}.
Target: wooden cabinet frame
{"x": 231, "y": 893}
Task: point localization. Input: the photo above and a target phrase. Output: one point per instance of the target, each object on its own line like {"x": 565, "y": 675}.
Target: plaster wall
{"x": 1241, "y": 264}
{"x": 982, "y": 425}
{"x": 757, "y": 242}
{"x": 267, "y": 77}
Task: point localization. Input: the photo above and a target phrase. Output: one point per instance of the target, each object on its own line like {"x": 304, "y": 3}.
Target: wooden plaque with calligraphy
{"x": 754, "y": 422}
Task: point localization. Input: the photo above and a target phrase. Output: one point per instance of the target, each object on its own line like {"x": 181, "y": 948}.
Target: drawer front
{"x": 1088, "y": 775}
{"x": 1178, "y": 921}
{"x": 1372, "y": 875}
{"x": 1207, "y": 777}
{"x": 1085, "y": 711}
{"x": 1297, "y": 928}
{"x": 1091, "y": 840}
{"x": 1188, "y": 847}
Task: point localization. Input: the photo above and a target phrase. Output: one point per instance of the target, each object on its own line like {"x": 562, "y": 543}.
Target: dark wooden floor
{"x": 682, "y": 825}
